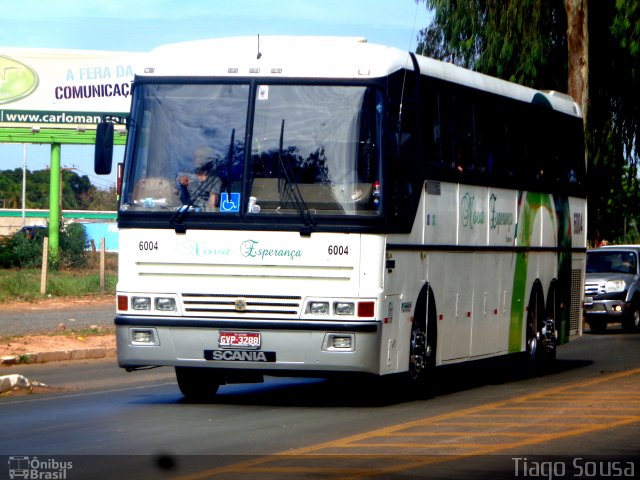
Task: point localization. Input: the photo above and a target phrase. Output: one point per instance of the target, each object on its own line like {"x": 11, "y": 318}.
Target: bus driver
{"x": 201, "y": 189}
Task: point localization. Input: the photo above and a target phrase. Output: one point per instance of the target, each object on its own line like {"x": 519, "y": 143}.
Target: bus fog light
{"x": 141, "y": 303}
{"x": 319, "y": 308}
{"x": 165, "y": 304}
{"x": 146, "y": 336}
{"x": 342, "y": 342}
{"x": 339, "y": 342}
{"x": 344, "y": 308}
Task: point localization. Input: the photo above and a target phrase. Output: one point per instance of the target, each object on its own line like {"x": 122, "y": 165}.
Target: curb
{"x": 58, "y": 356}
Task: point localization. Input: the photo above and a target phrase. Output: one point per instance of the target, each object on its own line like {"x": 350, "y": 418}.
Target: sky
{"x": 141, "y": 25}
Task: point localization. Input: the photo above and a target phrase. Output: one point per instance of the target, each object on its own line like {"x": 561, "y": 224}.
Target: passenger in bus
{"x": 202, "y": 188}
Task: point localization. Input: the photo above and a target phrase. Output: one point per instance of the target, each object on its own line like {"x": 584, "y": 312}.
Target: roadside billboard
{"x": 63, "y": 88}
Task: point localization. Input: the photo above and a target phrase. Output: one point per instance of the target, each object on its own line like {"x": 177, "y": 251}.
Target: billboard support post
{"x": 54, "y": 203}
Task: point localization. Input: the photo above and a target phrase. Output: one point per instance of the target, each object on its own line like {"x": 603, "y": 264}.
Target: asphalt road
{"x": 485, "y": 420}
{"x": 29, "y": 319}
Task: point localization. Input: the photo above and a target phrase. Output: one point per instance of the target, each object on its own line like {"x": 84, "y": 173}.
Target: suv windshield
{"x": 611, "y": 262}
{"x": 312, "y": 149}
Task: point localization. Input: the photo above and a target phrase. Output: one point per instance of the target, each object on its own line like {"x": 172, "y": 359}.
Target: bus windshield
{"x": 313, "y": 149}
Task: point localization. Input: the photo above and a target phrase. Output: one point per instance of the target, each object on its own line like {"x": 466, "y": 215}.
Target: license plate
{"x": 239, "y": 339}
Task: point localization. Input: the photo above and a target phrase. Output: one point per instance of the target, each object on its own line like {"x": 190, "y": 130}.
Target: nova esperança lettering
{"x": 469, "y": 216}
{"x": 201, "y": 249}
{"x": 249, "y": 248}
{"x": 498, "y": 219}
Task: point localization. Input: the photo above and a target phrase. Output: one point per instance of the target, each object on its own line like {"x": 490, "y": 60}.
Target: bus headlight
{"x": 165, "y": 304}
{"x": 141, "y": 303}
{"x": 319, "y": 308}
{"x": 344, "y": 308}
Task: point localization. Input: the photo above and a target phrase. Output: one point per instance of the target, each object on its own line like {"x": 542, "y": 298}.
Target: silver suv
{"x": 612, "y": 287}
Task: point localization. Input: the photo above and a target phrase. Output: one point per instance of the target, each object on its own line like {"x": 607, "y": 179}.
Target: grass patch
{"x": 18, "y": 285}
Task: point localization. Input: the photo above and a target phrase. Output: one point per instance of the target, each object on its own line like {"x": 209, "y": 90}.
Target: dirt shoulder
{"x": 21, "y": 346}
{"x": 60, "y": 303}
{"x": 64, "y": 338}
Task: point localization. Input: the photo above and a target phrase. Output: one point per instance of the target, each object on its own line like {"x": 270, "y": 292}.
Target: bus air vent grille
{"x": 215, "y": 304}
{"x": 575, "y": 312}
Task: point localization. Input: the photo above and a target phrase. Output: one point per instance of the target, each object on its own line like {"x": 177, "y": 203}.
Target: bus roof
{"x": 322, "y": 58}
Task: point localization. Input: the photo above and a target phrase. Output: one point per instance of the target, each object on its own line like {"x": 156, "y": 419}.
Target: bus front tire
{"x": 421, "y": 360}
{"x": 198, "y": 384}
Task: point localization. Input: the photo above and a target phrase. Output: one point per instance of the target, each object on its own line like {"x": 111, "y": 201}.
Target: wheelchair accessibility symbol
{"x": 230, "y": 202}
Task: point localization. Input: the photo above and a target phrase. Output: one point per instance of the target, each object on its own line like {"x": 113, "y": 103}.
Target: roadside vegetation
{"x": 77, "y": 191}
{"x": 77, "y": 272}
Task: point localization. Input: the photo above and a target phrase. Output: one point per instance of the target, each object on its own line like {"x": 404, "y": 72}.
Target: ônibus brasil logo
{"x": 32, "y": 468}
{"x": 16, "y": 80}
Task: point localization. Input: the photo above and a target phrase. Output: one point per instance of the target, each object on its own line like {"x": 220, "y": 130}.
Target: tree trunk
{"x": 578, "y": 45}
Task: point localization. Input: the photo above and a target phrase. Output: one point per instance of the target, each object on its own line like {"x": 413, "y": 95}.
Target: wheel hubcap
{"x": 419, "y": 352}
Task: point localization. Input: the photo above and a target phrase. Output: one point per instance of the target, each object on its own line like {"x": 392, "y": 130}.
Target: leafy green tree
{"x": 522, "y": 41}
{"x": 10, "y": 192}
{"x": 613, "y": 123}
{"x": 77, "y": 191}
{"x": 96, "y": 199}
{"x": 541, "y": 43}
{"x": 25, "y": 251}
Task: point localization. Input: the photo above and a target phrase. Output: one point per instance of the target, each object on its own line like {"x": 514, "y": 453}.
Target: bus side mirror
{"x": 103, "y": 158}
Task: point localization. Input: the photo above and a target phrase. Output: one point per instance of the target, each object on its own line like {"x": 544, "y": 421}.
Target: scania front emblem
{"x": 241, "y": 305}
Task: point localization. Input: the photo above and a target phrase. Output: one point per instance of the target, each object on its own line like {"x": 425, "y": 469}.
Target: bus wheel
{"x": 421, "y": 358}
{"x": 551, "y": 325}
{"x": 198, "y": 384}
{"x": 535, "y": 313}
{"x": 541, "y": 342}
{"x": 417, "y": 352}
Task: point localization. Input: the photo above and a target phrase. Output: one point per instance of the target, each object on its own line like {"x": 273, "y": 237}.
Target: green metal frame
{"x": 55, "y": 137}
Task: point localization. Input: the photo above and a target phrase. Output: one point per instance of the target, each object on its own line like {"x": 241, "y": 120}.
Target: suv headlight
{"x": 613, "y": 286}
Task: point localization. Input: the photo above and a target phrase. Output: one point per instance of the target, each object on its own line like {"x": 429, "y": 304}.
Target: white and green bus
{"x": 366, "y": 211}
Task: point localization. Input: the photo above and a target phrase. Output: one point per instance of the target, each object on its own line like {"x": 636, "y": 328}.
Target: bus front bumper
{"x": 297, "y": 347}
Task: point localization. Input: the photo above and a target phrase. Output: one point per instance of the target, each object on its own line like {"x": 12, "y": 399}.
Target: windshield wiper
{"x": 230, "y": 162}
{"x": 293, "y": 189}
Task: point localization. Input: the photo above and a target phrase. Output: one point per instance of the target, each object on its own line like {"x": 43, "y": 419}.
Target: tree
{"x": 588, "y": 49}
{"x": 522, "y": 41}
{"x": 614, "y": 115}
{"x": 77, "y": 191}
{"x": 95, "y": 199}
{"x": 578, "y": 52}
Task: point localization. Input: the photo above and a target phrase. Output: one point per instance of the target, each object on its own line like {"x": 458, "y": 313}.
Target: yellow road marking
{"x": 393, "y": 457}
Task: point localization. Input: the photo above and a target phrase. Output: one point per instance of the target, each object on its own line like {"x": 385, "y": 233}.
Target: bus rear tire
{"x": 198, "y": 384}
{"x": 541, "y": 341}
